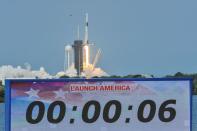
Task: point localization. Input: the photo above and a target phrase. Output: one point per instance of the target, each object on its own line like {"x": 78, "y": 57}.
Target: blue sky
{"x": 136, "y": 36}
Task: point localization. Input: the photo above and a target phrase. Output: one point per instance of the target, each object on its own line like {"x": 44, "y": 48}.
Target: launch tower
{"x": 81, "y": 51}
{"x": 78, "y": 56}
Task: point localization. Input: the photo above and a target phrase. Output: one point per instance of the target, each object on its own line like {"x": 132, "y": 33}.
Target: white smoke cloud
{"x": 71, "y": 72}
{"x": 10, "y": 72}
{"x": 88, "y": 72}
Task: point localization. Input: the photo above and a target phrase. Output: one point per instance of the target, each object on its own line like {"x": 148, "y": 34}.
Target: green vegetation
{"x": 1, "y": 94}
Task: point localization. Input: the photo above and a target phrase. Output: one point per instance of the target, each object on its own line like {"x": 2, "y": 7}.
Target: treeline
{"x": 1, "y": 94}
{"x": 116, "y": 76}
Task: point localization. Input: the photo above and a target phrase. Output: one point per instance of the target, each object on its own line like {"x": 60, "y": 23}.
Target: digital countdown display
{"x": 98, "y": 105}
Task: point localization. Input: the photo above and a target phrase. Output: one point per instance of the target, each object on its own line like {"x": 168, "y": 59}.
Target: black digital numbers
{"x": 29, "y": 113}
{"x": 97, "y": 110}
{"x": 50, "y": 114}
{"x": 165, "y": 112}
{"x": 163, "y": 108}
{"x": 106, "y": 111}
{"x": 141, "y": 111}
{"x": 41, "y": 111}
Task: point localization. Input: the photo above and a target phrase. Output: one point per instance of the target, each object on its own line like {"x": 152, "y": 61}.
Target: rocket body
{"x": 86, "y": 55}
{"x": 86, "y": 47}
{"x": 86, "y": 30}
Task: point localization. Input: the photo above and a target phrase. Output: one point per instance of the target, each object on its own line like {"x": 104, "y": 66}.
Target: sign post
{"x": 98, "y": 105}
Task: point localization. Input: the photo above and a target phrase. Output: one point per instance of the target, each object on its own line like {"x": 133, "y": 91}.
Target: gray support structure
{"x": 78, "y": 56}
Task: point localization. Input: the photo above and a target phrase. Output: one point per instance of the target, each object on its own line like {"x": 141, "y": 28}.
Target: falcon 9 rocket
{"x": 86, "y": 47}
{"x": 81, "y": 50}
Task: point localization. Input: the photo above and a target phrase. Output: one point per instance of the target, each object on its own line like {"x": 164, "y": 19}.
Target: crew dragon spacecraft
{"x": 81, "y": 51}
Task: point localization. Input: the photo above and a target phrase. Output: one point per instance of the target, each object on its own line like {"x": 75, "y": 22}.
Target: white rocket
{"x": 86, "y": 29}
{"x": 86, "y": 48}
{"x": 81, "y": 50}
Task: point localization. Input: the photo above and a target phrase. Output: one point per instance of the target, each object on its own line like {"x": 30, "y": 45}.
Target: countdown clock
{"x": 99, "y": 105}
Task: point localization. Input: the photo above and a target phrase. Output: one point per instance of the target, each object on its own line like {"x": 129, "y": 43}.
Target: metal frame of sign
{"x": 8, "y": 90}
